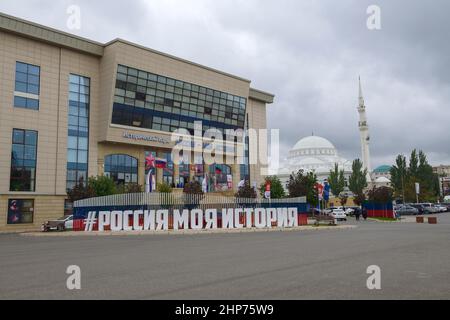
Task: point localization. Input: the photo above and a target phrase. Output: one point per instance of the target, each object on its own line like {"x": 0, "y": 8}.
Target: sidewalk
{"x": 180, "y": 232}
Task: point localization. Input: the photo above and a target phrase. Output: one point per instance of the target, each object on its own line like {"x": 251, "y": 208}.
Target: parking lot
{"x": 323, "y": 264}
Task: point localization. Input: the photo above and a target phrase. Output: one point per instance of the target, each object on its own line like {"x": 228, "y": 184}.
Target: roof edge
{"x": 49, "y": 35}
{"x": 262, "y": 96}
{"x": 130, "y": 43}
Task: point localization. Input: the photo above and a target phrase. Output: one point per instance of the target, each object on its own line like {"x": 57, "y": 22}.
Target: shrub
{"x": 102, "y": 186}
{"x": 193, "y": 194}
{"x": 163, "y": 188}
{"x": 381, "y": 195}
{"x": 276, "y": 188}
{"x": 246, "y": 191}
{"x": 128, "y": 188}
{"x": 80, "y": 191}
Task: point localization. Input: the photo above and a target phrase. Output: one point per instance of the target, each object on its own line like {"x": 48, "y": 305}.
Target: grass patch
{"x": 384, "y": 219}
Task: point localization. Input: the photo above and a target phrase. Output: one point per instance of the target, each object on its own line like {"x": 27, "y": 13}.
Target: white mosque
{"x": 314, "y": 154}
{"x": 319, "y": 155}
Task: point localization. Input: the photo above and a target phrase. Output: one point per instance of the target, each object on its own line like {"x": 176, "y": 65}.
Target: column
{"x": 159, "y": 171}
{"x": 236, "y": 173}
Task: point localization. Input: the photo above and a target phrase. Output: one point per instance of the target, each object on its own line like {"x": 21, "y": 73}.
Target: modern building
{"x": 443, "y": 171}
{"x": 314, "y": 154}
{"x": 72, "y": 108}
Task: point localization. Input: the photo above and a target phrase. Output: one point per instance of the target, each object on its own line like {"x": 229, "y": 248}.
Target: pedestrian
{"x": 357, "y": 213}
{"x": 364, "y": 213}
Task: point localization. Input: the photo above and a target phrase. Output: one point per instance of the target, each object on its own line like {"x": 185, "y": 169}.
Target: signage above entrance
{"x": 142, "y": 137}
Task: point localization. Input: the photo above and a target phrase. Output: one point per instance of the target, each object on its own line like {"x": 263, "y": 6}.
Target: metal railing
{"x": 180, "y": 200}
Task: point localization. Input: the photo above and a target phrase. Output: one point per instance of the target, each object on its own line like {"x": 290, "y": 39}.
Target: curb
{"x": 179, "y": 232}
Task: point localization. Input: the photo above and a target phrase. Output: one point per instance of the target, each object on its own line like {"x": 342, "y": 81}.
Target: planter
{"x": 432, "y": 220}
{"x": 419, "y": 219}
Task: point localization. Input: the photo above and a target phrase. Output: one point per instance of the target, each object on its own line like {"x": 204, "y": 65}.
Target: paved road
{"x": 414, "y": 261}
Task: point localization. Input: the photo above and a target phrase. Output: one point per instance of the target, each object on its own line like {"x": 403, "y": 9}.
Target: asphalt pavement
{"x": 414, "y": 260}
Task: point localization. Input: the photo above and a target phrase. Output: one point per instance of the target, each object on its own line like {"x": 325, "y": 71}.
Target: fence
{"x": 175, "y": 201}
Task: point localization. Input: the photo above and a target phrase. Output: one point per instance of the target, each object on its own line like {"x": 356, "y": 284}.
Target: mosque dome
{"x": 316, "y": 154}
{"x": 313, "y": 142}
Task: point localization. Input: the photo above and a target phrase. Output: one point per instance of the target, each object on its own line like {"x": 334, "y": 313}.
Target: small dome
{"x": 313, "y": 142}
{"x": 382, "y": 180}
{"x": 383, "y": 169}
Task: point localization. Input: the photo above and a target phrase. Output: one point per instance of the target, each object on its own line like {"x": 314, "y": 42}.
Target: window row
{"x": 162, "y": 121}
{"x": 142, "y": 78}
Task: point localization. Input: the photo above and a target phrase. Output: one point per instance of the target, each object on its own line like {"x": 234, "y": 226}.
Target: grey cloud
{"x": 309, "y": 53}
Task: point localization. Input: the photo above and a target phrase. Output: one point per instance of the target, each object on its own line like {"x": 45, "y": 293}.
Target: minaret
{"x": 364, "y": 133}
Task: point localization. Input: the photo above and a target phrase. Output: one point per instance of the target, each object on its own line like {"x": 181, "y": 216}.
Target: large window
{"x": 245, "y": 167}
{"x": 27, "y": 89}
{"x": 20, "y": 211}
{"x": 78, "y": 133}
{"x": 23, "y": 160}
{"x": 122, "y": 168}
{"x": 152, "y": 101}
{"x": 168, "y": 170}
{"x": 220, "y": 177}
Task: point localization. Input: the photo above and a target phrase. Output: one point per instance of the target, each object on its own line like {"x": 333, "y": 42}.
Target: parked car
{"x": 404, "y": 210}
{"x": 429, "y": 208}
{"x": 338, "y": 214}
{"x": 441, "y": 207}
{"x": 419, "y": 207}
{"x": 61, "y": 224}
{"x": 350, "y": 211}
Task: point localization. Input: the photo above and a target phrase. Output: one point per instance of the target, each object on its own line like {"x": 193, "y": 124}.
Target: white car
{"x": 349, "y": 211}
{"x": 441, "y": 208}
{"x": 338, "y": 214}
{"x": 61, "y": 224}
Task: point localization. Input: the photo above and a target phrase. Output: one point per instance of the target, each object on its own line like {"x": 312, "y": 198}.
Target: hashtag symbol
{"x": 90, "y": 221}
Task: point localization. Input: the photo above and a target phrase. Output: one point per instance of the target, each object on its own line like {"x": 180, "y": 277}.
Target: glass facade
{"x": 23, "y": 160}
{"x": 219, "y": 177}
{"x": 122, "y": 168}
{"x": 27, "y": 86}
{"x": 78, "y": 133}
{"x": 152, "y": 101}
{"x": 168, "y": 170}
{"x": 245, "y": 167}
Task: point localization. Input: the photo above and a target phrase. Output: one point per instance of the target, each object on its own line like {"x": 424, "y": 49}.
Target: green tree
{"x": 246, "y": 191}
{"x": 358, "y": 181}
{"x": 429, "y": 181}
{"x": 301, "y": 185}
{"x": 80, "y": 191}
{"x": 102, "y": 186}
{"x": 382, "y": 195}
{"x": 276, "y": 188}
{"x": 400, "y": 177}
{"x": 413, "y": 169}
{"x": 343, "y": 199}
{"x": 404, "y": 178}
{"x": 336, "y": 179}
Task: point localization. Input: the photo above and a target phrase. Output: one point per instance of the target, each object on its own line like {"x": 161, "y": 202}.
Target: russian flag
{"x": 161, "y": 163}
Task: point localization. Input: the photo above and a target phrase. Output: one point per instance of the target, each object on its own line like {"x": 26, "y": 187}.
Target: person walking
{"x": 357, "y": 213}
{"x": 364, "y": 213}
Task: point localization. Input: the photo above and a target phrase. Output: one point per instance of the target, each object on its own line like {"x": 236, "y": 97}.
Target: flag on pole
{"x": 160, "y": 163}
{"x": 149, "y": 166}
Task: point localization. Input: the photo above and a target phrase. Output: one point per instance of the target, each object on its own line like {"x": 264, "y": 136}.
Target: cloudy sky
{"x": 308, "y": 53}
